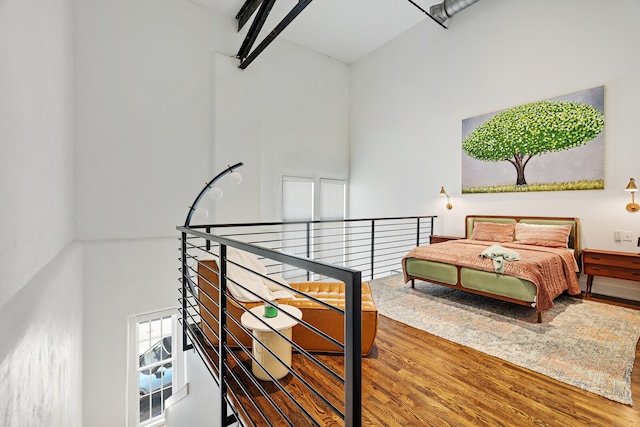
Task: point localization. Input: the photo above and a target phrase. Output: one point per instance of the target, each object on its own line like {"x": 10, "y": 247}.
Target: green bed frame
{"x": 491, "y": 284}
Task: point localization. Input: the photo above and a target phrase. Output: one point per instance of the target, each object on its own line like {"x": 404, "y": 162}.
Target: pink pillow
{"x": 493, "y": 232}
{"x": 554, "y": 236}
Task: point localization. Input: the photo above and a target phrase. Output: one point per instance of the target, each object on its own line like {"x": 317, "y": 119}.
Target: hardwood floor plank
{"x": 440, "y": 378}
{"x": 412, "y": 378}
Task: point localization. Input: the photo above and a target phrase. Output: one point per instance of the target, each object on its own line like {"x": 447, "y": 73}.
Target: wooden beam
{"x": 256, "y": 27}
{"x": 246, "y": 11}
{"x": 295, "y": 11}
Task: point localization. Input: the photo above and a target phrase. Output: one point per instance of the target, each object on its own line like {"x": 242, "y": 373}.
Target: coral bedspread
{"x": 552, "y": 270}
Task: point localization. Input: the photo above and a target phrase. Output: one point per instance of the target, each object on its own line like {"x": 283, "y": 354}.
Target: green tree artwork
{"x": 516, "y": 136}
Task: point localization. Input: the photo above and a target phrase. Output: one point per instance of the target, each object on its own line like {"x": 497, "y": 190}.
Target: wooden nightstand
{"x": 436, "y": 238}
{"x": 618, "y": 265}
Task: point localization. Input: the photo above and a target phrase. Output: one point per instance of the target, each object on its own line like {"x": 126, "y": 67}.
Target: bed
{"x": 547, "y": 248}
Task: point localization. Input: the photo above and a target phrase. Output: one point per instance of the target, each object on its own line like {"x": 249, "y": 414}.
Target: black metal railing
{"x": 317, "y": 387}
{"x": 373, "y": 246}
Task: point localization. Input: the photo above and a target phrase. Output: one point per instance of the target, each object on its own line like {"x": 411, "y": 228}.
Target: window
{"x": 333, "y": 199}
{"x": 297, "y": 199}
{"x": 332, "y": 207}
{"x": 301, "y": 203}
{"x": 155, "y": 367}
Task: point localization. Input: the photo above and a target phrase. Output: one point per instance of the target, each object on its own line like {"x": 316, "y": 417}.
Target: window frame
{"x": 133, "y": 376}
{"x": 345, "y": 197}
{"x": 316, "y": 192}
{"x": 303, "y": 179}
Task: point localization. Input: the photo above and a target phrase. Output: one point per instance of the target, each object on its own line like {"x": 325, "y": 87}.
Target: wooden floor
{"x": 413, "y": 378}
{"x": 417, "y": 379}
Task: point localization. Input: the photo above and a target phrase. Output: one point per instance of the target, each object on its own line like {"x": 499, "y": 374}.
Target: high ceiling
{"x": 343, "y": 29}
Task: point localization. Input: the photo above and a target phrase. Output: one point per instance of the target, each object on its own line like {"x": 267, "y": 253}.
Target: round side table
{"x": 264, "y": 337}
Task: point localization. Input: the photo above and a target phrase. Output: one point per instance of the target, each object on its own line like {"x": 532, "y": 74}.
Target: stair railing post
{"x": 222, "y": 334}
{"x": 308, "y": 247}
{"x": 431, "y": 230}
{"x": 373, "y": 244}
{"x": 185, "y": 283}
{"x": 353, "y": 352}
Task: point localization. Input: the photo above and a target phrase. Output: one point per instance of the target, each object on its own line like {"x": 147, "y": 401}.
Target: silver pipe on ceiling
{"x": 445, "y": 10}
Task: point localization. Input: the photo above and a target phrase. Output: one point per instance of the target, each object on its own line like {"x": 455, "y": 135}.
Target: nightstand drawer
{"x": 612, "y": 271}
{"x": 628, "y": 261}
{"x": 617, "y": 265}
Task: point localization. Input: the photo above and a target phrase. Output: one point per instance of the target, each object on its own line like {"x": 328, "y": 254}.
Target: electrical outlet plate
{"x": 626, "y": 236}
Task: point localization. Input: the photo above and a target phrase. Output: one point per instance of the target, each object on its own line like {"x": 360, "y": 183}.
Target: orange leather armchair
{"x": 322, "y": 318}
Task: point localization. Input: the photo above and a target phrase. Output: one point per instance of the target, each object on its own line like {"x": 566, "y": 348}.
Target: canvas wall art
{"x": 551, "y": 145}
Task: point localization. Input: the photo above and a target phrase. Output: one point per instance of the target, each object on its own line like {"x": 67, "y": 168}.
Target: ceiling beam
{"x": 295, "y": 11}
{"x": 246, "y": 11}
{"x": 249, "y": 7}
{"x": 256, "y": 27}
{"x": 428, "y": 14}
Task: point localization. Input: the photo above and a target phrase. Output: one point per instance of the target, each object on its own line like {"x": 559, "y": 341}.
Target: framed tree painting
{"x": 551, "y": 145}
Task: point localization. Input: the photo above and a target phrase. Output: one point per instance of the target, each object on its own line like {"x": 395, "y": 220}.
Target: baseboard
{"x": 623, "y": 289}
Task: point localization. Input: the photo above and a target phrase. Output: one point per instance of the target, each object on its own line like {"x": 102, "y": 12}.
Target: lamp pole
{"x": 194, "y": 205}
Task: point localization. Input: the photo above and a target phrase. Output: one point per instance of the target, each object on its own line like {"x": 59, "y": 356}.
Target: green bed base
{"x": 483, "y": 282}
{"x": 486, "y": 283}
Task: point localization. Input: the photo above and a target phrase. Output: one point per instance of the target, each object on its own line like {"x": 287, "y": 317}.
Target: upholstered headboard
{"x": 574, "y": 235}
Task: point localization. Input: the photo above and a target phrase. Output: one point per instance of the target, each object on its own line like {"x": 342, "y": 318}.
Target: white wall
{"x": 143, "y": 113}
{"x": 202, "y": 408}
{"x": 41, "y": 347}
{"x": 123, "y": 278}
{"x": 286, "y": 114}
{"x": 41, "y": 271}
{"x": 143, "y": 144}
{"x": 409, "y": 97}
{"x": 36, "y": 134}
{"x": 160, "y": 108}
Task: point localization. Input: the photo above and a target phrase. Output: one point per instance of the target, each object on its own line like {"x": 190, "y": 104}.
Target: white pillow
{"x": 262, "y": 287}
{"x": 279, "y": 285}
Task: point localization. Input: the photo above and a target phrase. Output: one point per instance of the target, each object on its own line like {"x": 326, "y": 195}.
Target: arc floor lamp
{"x": 201, "y": 212}
{"x": 214, "y": 192}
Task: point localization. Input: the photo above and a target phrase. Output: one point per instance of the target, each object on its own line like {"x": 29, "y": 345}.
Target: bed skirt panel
{"x": 498, "y": 284}
{"x": 483, "y": 281}
{"x": 444, "y": 273}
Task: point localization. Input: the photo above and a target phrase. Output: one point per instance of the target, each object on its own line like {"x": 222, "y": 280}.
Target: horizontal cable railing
{"x": 368, "y": 245}
{"x": 303, "y": 366}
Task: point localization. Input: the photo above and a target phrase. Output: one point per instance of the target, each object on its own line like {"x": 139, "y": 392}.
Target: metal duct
{"x": 445, "y": 10}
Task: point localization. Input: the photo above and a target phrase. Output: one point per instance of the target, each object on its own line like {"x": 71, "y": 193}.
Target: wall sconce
{"x": 444, "y": 193}
{"x": 631, "y": 188}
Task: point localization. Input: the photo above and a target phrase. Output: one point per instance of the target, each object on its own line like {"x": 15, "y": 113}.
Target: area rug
{"x": 586, "y": 344}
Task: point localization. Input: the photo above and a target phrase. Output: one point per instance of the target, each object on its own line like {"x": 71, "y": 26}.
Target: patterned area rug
{"x": 583, "y": 343}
